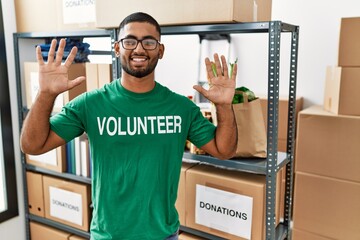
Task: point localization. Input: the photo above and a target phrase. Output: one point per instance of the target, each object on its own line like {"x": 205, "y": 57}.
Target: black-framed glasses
{"x": 146, "y": 43}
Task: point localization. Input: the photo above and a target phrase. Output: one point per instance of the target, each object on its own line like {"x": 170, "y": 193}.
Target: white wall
{"x": 319, "y": 23}
{"x": 13, "y": 229}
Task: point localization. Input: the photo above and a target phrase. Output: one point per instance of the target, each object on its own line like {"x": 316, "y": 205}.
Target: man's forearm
{"x": 36, "y": 127}
{"x": 226, "y": 132}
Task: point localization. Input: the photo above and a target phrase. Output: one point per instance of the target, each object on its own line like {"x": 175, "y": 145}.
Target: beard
{"x": 140, "y": 73}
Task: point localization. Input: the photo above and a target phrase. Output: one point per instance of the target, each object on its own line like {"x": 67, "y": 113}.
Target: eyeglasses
{"x": 132, "y": 43}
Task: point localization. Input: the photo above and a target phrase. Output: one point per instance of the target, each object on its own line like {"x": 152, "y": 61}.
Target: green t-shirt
{"x": 136, "y": 143}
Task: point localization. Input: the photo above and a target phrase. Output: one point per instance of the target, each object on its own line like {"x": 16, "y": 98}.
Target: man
{"x": 137, "y": 130}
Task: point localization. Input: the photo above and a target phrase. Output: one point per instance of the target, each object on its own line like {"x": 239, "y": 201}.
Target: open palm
{"x": 53, "y": 75}
{"x": 221, "y": 86}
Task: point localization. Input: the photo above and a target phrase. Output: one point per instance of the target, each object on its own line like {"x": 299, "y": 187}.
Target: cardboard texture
{"x": 349, "y": 43}
{"x": 72, "y": 187}
{"x": 73, "y": 237}
{"x": 328, "y": 144}
{"x": 326, "y": 206}
{"x": 283, "y": 117}
{"x": 303, "y": 235}
{"x": 342, "y": 90}
{"x": 31, "y": 84}
{"x": 188, "y": 236}
{"x": 54, "y": 160}
{"x": 181, "y": 197}
{"x": 48, "y": 16}
{"x": 246, "y": 184}
{"x": 42, "y": 232}
{"x": 35, "y": 193}
{"x": 97, "y": 75}
{"x": 173, "y": 12}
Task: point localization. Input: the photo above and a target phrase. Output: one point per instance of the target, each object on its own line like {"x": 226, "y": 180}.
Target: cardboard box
{"x": 327, "y": 206}
{"x": 302, "y": 235}
{"x": 41, "y": 232}
{"x": 109, "y": 13}
{"x": 283, "y": 117}
{"x": 342, "y": 90}
{"x": 32, "y": 84}
{"x": 35, "y": 193}
{"x": 188, "y": 236}
{"x": 73, "y": 237}
{"x": 349, "y": 43}
{"x": 55, "y": 15}
{"x": 328, "y": 144}
{"x": 54, "y": 159}
{"x": 67, "y": 202}
{"x": 181, "y": 197}
{"x": 229, "y": 204}
{"x": 97, "y": 75}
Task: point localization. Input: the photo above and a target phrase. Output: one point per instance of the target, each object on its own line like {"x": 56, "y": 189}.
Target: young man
{"x": 137, "y": 130}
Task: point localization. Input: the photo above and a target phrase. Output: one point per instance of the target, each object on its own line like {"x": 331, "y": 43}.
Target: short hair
{"x": 140, "y": 17}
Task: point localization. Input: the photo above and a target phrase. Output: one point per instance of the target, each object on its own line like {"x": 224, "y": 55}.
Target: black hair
{"x": 140, "y": 17}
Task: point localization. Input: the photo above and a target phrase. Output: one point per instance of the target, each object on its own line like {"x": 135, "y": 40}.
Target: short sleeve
{"x": 201, "y": 129}
{"x": 69, "y": 123}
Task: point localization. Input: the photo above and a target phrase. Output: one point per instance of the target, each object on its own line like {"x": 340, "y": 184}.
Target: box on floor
{"x": 342, "y": 90}
{"x": 326, "y": 206}
{"x": 328, "y": 144}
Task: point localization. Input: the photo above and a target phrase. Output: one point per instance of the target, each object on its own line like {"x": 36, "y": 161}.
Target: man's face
{"x": 139, "y": 62}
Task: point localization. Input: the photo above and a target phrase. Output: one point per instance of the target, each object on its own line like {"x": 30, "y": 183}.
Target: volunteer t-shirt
{"x": 136, "y": 143}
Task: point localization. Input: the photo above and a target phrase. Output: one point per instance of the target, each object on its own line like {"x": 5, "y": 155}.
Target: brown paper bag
{"x": 252, "y": 139}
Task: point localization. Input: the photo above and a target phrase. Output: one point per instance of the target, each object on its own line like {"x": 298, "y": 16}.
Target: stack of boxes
{"x": 327, "y": 166}
{"x": 57, "y": 199}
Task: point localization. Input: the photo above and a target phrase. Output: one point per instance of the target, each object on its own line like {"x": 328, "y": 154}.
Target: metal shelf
{"x": 63, "y": 175}
{"x": 254, "y": 165}
{"x": 268, "y": 166}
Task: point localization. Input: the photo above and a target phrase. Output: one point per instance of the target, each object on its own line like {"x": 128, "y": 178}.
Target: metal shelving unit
{"x": 268, "y": 166}
{"x": 22, "y": 43}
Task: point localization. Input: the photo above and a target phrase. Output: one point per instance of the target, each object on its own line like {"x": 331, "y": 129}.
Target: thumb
{"x": 77, "y": 81}
{"x": 201, "y": 90}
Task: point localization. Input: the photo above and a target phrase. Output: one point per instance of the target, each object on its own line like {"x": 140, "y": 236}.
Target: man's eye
{"x": 130, "y": 42}
{"x": 149, "y": 42}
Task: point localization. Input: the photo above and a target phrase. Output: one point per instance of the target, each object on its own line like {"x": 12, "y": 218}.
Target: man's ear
{"x": 161, "y": 51}
{"x": 117, "y": 49}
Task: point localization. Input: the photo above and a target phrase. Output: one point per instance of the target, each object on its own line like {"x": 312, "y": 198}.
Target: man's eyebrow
{"x": 145, "y": 37}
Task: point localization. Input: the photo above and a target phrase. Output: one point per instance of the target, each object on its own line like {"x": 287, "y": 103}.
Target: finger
{"x": 77, "y": 81}
{"x": 218, "y": 65}
{"x": 201, "y": 90}
{"x": 39, "y": 56}
{"x": 51, "y": 53}
{"x": 209, "y": 70}
{"x": 60, "y": 52}
{"x": 233, "y": 76}
{"x": 225, "y": 66}
{"x": 69, "y": 60}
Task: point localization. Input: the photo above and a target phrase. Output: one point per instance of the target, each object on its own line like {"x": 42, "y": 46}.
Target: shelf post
{"x": 272, "y": 129}
{"x": 291, "y": 130}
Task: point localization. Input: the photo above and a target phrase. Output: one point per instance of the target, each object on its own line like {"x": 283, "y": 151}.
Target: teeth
{"x": 139, "y": 59}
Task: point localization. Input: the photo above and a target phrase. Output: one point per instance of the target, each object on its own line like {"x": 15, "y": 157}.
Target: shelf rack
{"x": 268, "y": 166}
{"x": 21, "y": 44}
